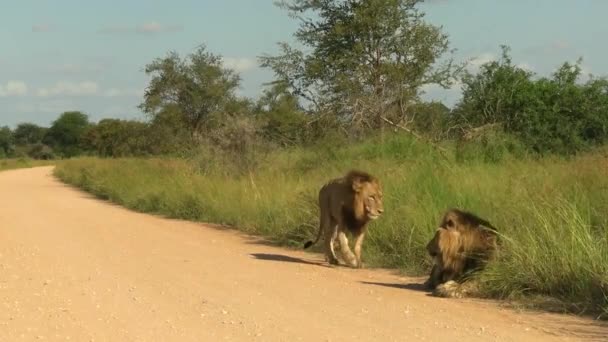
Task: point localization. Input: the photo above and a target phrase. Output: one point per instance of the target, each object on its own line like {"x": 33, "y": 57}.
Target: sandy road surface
{"x": 72, "y": 267}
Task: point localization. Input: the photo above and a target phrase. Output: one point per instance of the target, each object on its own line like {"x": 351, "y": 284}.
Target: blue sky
{"x": 60, "y": 55}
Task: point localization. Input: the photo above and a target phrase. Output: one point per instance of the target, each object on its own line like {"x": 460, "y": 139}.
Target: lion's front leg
{"x": 434, "y": 277}
{"x": 358, "y": 244}
{"x": 347, "y": 254}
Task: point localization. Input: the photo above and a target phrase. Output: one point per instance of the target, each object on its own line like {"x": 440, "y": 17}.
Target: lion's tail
{"x": 310, "y": 243}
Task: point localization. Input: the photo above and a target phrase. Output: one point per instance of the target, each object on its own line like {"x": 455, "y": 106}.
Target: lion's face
{"x": 371, "y": 195}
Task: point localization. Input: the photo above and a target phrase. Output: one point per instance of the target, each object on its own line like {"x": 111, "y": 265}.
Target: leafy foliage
{"x": 29, "y": 133}
{"x": 431, "y": 119}
{"x": 281, "y": 117}
{"x": 6, "y": 142}
{"x": 66, "y": 132}
{"x": 549, "y": 115}
{"x": 363, "y": 56}
{"x": 197, "y": 87}
{"x": 117, "y": 138}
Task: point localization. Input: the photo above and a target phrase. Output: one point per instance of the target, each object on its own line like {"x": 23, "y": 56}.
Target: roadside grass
{"x": 551, "y": 212}
{"x": 20, "y": 163}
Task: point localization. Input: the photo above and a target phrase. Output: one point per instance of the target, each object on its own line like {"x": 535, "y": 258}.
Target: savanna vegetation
{"x": 528, "y": 152}
{"x": 21, "y": 163}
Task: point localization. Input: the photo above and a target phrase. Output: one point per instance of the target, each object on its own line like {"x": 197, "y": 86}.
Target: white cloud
{"x": 13, "y": 88}
{"x": 151, "y": 27}
{"x": 585, "y": 73}
{"x": 71, "y": 68}
{"x": 434, "y": 92}
{"x": 65, "y": 88}
{"x": 239, "y": 64}
{"x": 474, "y": 63}
{"x": 482, "y": 59}
{"x": 41, "y": 28}
{"x": 118, "y": 111}
{"x": 117, "y": 92}
{"x": 114, "y": 29}
{"x": 525, "y": 66}
{"x": 154, "y": 27}
{"x": 45, "y": 106}
{"x": 585, "y": 69}
{"x": 148, "y": 28}
{"x": 557, "y": 46}
{"x": 560, "y": 45}
{"x": 68, "y": 89}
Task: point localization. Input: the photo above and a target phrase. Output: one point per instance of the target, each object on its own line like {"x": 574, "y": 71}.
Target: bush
{"x": 117, "y": 138}
{"x": 237, "y": 143}
{"x": 491, "y": 145}
{"x": 66, "y": 132}
{"x": 41, "y": 152}
{"x": 548, "y": 115}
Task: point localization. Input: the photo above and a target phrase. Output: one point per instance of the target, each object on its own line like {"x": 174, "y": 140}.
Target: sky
{"x": 61, "y": 55}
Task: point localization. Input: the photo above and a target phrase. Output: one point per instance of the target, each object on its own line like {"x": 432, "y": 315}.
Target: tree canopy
{"x": 66, "y": 132}
{"x": 360, "y": 57}
{"x": 198, "y": 87}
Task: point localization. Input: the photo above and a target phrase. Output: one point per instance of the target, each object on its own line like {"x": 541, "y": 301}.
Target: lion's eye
{"x": 371, "y": 198}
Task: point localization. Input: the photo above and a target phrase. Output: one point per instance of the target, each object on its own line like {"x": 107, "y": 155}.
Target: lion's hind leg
{"x": 331, "y": 232}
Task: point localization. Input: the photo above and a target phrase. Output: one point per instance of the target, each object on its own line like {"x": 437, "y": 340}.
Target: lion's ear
{"x": 357, "y": 185}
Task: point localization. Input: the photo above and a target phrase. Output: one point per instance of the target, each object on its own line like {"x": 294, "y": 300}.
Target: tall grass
{"x": 552, "y": 213}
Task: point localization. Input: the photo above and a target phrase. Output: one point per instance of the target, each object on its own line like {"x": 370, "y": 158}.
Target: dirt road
{"x": 72, "y": 267}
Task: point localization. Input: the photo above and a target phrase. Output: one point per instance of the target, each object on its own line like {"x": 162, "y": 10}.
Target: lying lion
{"x": 462, "y": 244}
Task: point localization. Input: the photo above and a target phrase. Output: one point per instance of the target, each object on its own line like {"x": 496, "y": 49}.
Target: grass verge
{"x": 21, "y": 163}
{"x": 551, "y": 212}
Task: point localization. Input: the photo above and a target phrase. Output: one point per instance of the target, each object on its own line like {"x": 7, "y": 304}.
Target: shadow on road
{"x": 411, "y": 286}
{"x": 285, "y": 258}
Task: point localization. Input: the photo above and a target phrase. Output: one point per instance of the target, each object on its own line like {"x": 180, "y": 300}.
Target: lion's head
{"x": 368, "y": 195}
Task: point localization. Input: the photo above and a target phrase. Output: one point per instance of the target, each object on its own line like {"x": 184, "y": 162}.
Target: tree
{"x": 168, "y": 133}
{"x": 198, "y": 87}
{"x": 430, "y": 119}
{"x": 364, "y": 56}
{"x": 65, "y": 134}
{"x": 6, "y": 142}
{"x": 495, "y": 94}
{"x": 557, "y": 114}
{"x": 566, "y": 115}
{"x": 282, "y": 118}
{"x": 118, "y": 138}
{"x": 29, "y": 133}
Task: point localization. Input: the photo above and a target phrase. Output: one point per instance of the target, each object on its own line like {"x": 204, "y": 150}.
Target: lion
{"x": 461, "y": 246}
{"x": 348, "y": 204}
